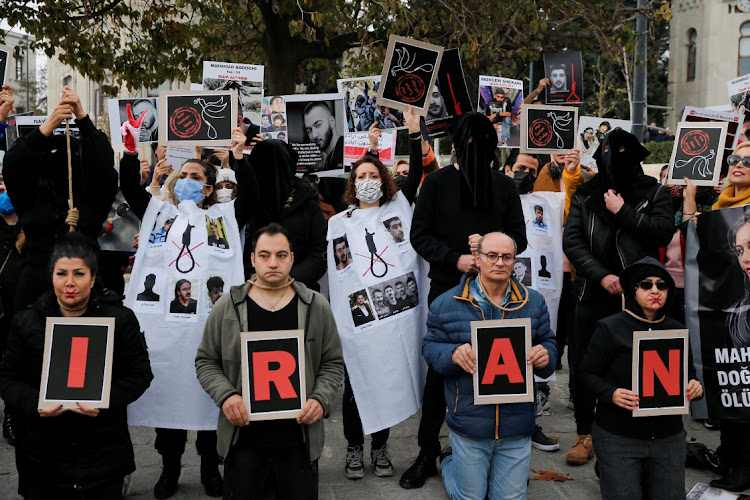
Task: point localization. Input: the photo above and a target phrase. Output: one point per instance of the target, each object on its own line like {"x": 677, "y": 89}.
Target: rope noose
{"x": 72, "y": 218}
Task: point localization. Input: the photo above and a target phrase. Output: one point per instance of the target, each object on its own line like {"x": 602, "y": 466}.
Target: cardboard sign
{"x": 177, "y": 155}
{"x": 497, "y": 97}
{"x": 409, "y": 74}
{"x": 118, "y": 114}
{"x": 660, "y": 372}
{"x": 501, "y": 348}
{"x": 449, "y": 98}
{"x": 357, "y": 144}
{"x": 702, "y": 115}
{"x": 548, "y": 129}
{"x": 197, "y": 118}
{"x": 565, "y": 73}
{"x": 362, "y": 108}
{"x": 4, "y": 61}
{"x": 697, "y": 153}
{"x": 77, "y": 362}
{"x": 273, "y": 373}
{"x": 246, "y": 79}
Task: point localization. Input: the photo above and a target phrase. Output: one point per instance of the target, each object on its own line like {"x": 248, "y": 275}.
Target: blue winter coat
{"x": 448, "y": 326}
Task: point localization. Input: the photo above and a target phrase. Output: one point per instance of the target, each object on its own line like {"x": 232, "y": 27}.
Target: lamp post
{"x": 25, "y": 46}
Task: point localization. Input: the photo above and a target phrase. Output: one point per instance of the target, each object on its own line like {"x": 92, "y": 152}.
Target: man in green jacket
{"x": 287, "y": 448}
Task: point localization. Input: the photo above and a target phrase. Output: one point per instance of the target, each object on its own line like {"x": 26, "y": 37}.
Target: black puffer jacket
{"x": 73, "y": 449}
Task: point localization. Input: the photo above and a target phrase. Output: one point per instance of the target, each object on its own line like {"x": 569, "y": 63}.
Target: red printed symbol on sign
{"x": 264, "y": 376}
{"x": 410, "y": 88}
{"x": 540, "y": 132}
{"x": 185, "y": 122}
{"x": 79, "y": 347}
{"x": 669, "y": 377}
{"x": 694, "y": 142}
{"x": 502, "y": 361}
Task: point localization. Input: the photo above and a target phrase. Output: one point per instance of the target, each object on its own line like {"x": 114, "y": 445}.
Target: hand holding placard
{"x": 625, "y": 399}
{"x": 234, "y": 410}
{"x": 538, "y": 357}
{"x": 311, "y": 412}
{"x": 464, "y": 357}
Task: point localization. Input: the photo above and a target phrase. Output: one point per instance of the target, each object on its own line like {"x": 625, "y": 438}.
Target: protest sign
{"x": 273, "y": 373}
{"x": 565, "y": 73}
{"x": 548, "y": 129}
{"x": 118, "y": 114}
{"x": 588, "y": 140}
{"x": 701, "y": 115}
{"x": 23, "y": 124}
{"x": 357, "y": 144}
{"x": 198, "y": 118}
{"x": 77, "y": 362}
{"x": 409, "y": 74}
{"x": 697, "y": 153}
{"x": 245, "y": 79}
{"x": 739, "y": 94}
{"x": 361, "y": 106}
{"x": 660, "y": 372}
{"x": 501, "y": 347}
{"x": 449, "y": 98}
{"x": 177, "y": 155}
{"x": 500, "y": 99}
{"x": 5, "y": 53}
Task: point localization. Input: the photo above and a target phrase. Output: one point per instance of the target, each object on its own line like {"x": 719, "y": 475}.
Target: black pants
{"x": 170, "y": 443}
{"x": 108, "y": 491}
{"x": 735, "y": 443}
{"x": 353, "y": 424}
{"x": 566, "y": 327}
{"x": 589, "y": 312}
{"x": 246, "y": 472}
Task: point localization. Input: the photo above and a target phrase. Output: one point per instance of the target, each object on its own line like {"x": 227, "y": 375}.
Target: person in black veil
{"x": 617, "y": 218}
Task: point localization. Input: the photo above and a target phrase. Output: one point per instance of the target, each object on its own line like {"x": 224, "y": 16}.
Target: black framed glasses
{"x": 492, "y": 257}
{"x": 648, "y": 285}
{"x": 734, "y": 160}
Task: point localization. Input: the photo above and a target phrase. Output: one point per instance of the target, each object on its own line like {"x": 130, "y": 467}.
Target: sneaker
{"x": 542, "y": 442}
{"x": 582, "y": 451}
{"x": 712, "y": 424}
{"x": 542, "y": 403}
{"x": 354, "y": 468}
{"x": 381, "y": 462}
{"x": 8, "y": 432}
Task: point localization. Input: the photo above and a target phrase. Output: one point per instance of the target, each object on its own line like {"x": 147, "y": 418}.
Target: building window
{"x": 19, "y": 68}
{"x": 166, "y": 85}
{"x": 743, "y": 63}
{"x": 68, "y": 81}
{"x": 692, "y": 52}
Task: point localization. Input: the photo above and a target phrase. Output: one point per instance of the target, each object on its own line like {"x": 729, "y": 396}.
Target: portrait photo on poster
{"x": 395, "y": 228}
{"x": 342, "y": 254}
{"x": 182, "y": 302}
{"x": 217, "y": 233}
{"x": 522, "y": 271}
{"x": 449, "y": 98}
{"x": 197, "y": 118}
{"x": 544, "y": 276}
{"x": 77, "y": 362}
{"x": 564, "y": 70}
{"x": 118, "y": 114}
{"x": 216, "y": 284}
{"x": 4, "y": 61}
{"x": 362, "y": 108}
{"x": 737, "y": 127}
{"x": 315, "y": 130}
{"x": 739, "y": 95}
{"x": 660, "y": 372}
{"x": 394, "y": 296}
{"x": 548, "y": 129}
{"x": 246, "y": 79}
{"x": 162, "y": 225}
{"x": 500, "y": 348}
{"x": 409, "y": 73}
{"x": 538, "y": 224}
{"x": 360, "y": 308}
{"x": 500, "y": 99}
{"x": 697, "y": 153}
{"x": 273, "y": 374}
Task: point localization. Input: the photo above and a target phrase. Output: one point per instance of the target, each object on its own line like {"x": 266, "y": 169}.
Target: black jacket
{"x": 598, "y": 244}
{"x": 73, "y": 449}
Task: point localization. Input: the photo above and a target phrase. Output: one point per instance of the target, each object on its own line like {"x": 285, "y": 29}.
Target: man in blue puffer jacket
{"x": 491, "y": 444}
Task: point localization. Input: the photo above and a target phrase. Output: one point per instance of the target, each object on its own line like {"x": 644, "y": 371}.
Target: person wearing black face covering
{"x": 616, "y": 218}
{"x": 291, "y": 202}
{"x": 456, "y": 205}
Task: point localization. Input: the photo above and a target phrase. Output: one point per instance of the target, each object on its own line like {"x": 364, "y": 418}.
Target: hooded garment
{"x": 275, "y": 164}
{"x": 635, "y": 273}
{"x": 475, "y": 158}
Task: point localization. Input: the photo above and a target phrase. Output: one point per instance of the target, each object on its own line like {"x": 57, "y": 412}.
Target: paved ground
{"x": 403, "y": 446}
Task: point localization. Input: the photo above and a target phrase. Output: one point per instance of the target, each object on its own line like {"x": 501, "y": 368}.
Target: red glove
{"x": 131, "y": 130}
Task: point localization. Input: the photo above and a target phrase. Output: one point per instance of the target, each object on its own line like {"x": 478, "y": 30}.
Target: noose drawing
{"x": 185, "y": 250}
{"x": 405, "y": 61}
{"x": 700, "y": 162}
{"x": 560, "y": 123}
{"x": 374, "y": 254}
{"x": 209, "y": 110}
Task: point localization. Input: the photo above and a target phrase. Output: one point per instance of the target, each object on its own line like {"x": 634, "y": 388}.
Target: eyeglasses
{"x": 492, "y": 257}
{"x": 648, "y": 285}
{"x": 734, "y": 160}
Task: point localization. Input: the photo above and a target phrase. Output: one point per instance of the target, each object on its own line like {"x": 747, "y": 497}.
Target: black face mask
{"x": 524, "y": 181}
{"x": 400, "y": 181}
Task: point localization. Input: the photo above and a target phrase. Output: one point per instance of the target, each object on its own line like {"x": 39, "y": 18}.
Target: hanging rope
{"x": 72, "y": 218}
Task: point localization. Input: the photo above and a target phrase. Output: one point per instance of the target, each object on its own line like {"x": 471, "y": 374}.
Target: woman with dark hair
{"x": 638, "y": 457}
{"x": 82, "y": 452}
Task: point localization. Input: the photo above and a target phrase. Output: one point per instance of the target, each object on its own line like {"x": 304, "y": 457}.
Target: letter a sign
{"x": 77, "y": 362}
{"x": 501, "y": 348}
{"x": 273, "y": 373}
{"x": 660, "y": 372}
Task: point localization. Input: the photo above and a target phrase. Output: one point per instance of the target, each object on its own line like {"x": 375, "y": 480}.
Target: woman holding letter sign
{"x": 82, "y": 452}
{"x": 638, "y": 457}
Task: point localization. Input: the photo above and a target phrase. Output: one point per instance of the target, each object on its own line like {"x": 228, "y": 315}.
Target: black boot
{"x": 211, "y": 479}
{"x": 8, "y": 433}
{"x": 415, "y": 476}
{"x": 166, "y": 486}
{"x": 737, "y": 480}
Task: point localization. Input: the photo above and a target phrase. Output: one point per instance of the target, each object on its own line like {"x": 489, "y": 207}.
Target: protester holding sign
{"x": 490, "y": 444}
{"x": 638, "y": 457}
{"x": 82, "y": 451}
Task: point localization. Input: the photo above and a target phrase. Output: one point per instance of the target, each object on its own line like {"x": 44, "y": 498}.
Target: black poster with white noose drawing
{"x": 697, "y": 153}
{"x": 548, "y": 129}
{"x": 202, "y": 118}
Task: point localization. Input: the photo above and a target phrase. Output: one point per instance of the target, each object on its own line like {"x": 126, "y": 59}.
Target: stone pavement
{"x": 403, "y": 447}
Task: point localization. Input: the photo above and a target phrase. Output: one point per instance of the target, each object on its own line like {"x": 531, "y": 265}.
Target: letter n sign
{"x": 273, "y": 373}
{"x": 501, "y": 348}
{"x": 77, "y": 362}
{"x": 660, "y": 372}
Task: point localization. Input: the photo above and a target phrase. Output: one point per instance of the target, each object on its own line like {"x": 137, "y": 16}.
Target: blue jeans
{"x": 500, "y": 465}
{"x": 506, "y": 129}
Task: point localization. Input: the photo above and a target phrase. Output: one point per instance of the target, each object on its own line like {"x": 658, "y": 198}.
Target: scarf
{"x": 727, "y": 199}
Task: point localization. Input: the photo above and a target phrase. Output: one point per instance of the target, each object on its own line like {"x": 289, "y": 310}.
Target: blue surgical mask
{"x": 189, "y": 189}
{"x": 6, "y": 207}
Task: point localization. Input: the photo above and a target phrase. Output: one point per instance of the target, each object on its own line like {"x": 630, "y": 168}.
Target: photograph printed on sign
{"x": 273, "y": 374}
{"x": 118, "y": 114}
{"x": 342, "y": 254}
{"x": 449, "y": 98}
{"x": 4, "y": 61}
{"x": 151, "y": 293}
{"x": 315, "y": 128}
{"x": 361, "y": 105}
{"x": 183, "y": 303}
{"x": 538, "y": 224}
{"x": 522, "y": 271}
{"x": 502, "y": 374}
{"x": 591, "y": 132}
{"x": 23, "y": 124}
{"x": 357, "y": 144}
{"x": 198, "y": 118}
{"x": 216, "y": 284}
{"x": 565, "y": 73}
{"x": 217, "y": 233}
{"x": 77, "y": 362}
{"x": 548, "y": 129}
{"x": 697, "y": 153}
{"x": 398, "y": 233}
{"x": 500, "y": 99}
{"x": 737, "y": 127}
{"x": 660, "y": 372}
{"x": 544, "y": 277}
{"x": 360, "y": 308}
{"x": 409, "y": 74}
{"x": 394, "y": 296}
{"x": 739, "y": 95}
{"x": 246, "y": 79}
{"x": 159, "y": 233}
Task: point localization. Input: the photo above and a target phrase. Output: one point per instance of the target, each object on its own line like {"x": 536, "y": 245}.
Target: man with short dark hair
{"x": 183, "y": 302}
{"x": 341, "y": 253}
{"x": 437, "y": 107}
{"x": 361, "y": 312}
{"x": 500, "y": 110}
{"x": 396, "y": 228}
{"x": 320, "y": 126}
{"x": 558, "y": 78}
{"x": 215, "y": 286}
{"x": 523, "y": 168}
{"x": 539, "y": 217}
{"x": 381, "y": 308}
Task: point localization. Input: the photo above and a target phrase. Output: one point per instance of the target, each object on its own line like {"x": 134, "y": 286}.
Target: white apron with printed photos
{"x": 181, "y": 250}
{"x": 378, "y": 286}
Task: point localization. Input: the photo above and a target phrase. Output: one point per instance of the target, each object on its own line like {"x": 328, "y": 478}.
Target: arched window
{"x": 68, "y": 80}
{"x": 743, "y": 62}
{"x": 692, "y": 53}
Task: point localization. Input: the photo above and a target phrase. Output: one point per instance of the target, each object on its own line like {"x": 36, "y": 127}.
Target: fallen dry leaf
{"x": 550, "y": 475}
